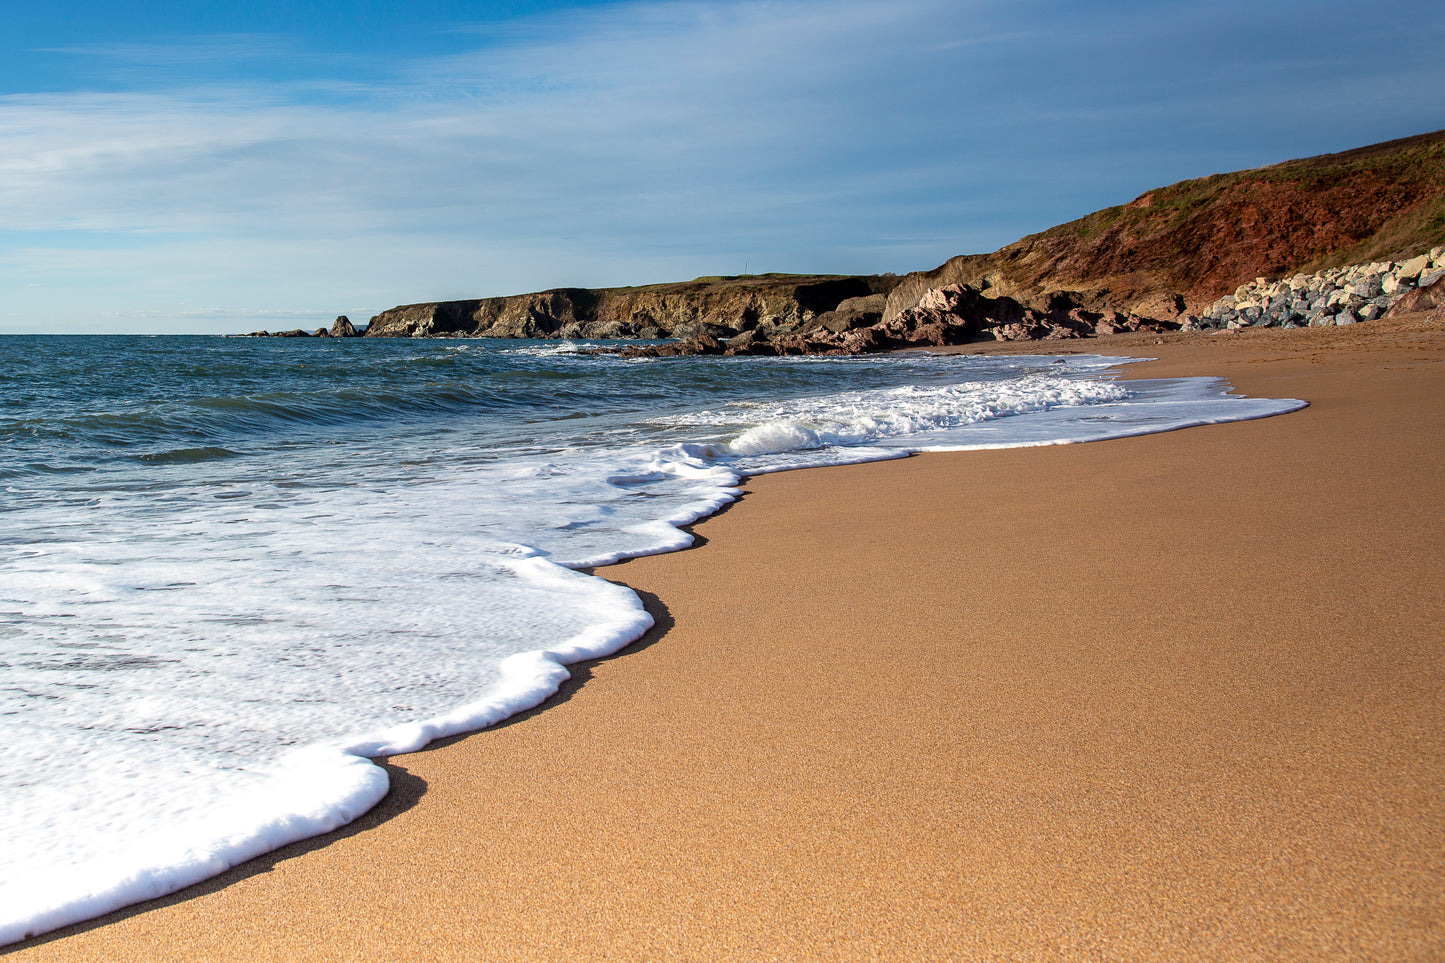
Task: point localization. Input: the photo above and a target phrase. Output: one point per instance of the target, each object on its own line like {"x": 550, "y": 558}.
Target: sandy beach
{"x": 1172, "y": 697}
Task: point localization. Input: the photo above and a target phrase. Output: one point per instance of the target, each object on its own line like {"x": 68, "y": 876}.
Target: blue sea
{"x": 233, "y": 571}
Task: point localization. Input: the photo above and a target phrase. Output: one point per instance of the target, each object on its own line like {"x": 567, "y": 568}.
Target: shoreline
{"x": 796, "y": 870}
{"x": 214, "y": 845}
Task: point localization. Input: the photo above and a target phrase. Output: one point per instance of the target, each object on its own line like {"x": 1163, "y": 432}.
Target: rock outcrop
{"x": 950, "y": 315}
{"x": 1175, "y": 250}
{"x": 341, "y": 328}
{"x": 721, "y": 307}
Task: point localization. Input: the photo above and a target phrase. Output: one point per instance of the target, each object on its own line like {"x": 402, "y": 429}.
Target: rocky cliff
{"x": 1175, "y": 250}
{"x": 1160, "y": 260}
{"x": 722, "y": 307}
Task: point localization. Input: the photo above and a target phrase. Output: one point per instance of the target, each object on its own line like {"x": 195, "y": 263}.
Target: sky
{"x": 209, "y": 168}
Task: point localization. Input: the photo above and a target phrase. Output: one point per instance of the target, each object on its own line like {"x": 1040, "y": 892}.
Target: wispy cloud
{"x": 640, "y": 142}
{"x": 685, "y": 114}
{"x": 187, "y": 52}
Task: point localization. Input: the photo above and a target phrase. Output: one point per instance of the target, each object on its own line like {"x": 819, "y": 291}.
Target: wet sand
{"x": 1172, "y": 697}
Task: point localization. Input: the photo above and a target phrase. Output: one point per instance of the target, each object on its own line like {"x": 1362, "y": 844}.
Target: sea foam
{"x": 202, "y": 652}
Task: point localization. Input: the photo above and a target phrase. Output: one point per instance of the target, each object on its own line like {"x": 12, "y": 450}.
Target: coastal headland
{"x": 1179, "y": 696}
{"x": 1342, "y": 235}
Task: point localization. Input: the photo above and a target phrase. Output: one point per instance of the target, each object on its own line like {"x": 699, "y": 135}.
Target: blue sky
{"x": 223, "y": 167}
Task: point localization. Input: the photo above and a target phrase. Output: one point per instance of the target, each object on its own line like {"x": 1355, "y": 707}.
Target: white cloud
{"x": 626, "y": 144}
{"x": 216, "y": 48}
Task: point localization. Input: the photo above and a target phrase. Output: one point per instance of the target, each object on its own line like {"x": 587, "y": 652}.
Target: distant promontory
{"x": 1162, "y": 261}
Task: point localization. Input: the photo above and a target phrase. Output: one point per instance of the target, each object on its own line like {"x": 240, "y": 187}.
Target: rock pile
{"x": 1344, "y": 295}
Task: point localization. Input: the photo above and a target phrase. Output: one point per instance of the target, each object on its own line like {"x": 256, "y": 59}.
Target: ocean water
{"x": 234, "y": 570}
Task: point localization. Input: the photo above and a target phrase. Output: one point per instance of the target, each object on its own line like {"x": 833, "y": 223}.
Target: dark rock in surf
{"x": 752, "y": 342}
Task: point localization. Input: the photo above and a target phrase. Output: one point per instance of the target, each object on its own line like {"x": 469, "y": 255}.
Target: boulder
{"x": 1424, "y": 298}
{"x": 937, "y": 334}
{"x": 701, "y": 343}
{"x": 749, "y": 342}
{"x": 1413, "y": 268}
{"x": 1366, "y": 287}
{"x": 1430, "y": 277}
{"x": 862, "y": 341}
{"x": 343, "y": 328}
{"x": 860, "y": 312}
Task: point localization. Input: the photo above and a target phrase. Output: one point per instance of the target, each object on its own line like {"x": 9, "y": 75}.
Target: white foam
{"x": 201, "y": 659}
{"x": 859, "y": 418}
{"x": 312, "y": 793}
{"x": 775, "y": 437}
{"x": 93, "y": 861}
{"x": 1150, "y": 407}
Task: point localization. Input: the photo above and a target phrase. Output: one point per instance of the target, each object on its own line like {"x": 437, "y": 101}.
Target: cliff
{"x": 720, "y": 306}
{"x": 1170, "y": 253}
{"x": 1176, "y": 249}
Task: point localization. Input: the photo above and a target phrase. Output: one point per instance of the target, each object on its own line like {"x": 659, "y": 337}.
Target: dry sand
{"x": 1175, "y": 697}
